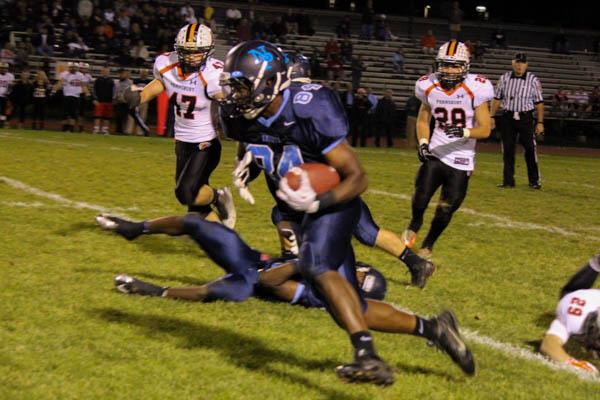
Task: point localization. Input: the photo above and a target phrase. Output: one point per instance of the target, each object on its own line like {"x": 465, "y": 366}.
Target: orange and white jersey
{"x": 193, "y": 121}
{"x": 87, "y": 79}
{"x": 457, "y": 107}
{"x": 571, "y": 312}
{"x": 6, "y": 81}
{"x": 72, "y": 83}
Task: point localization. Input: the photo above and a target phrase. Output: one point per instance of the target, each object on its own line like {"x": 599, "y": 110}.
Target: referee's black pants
{"x": 521, "y": 129}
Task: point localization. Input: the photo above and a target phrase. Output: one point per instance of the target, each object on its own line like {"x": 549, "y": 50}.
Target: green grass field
{"x": 66, "y": 334}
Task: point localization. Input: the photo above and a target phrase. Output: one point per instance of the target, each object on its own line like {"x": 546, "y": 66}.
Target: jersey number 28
{"x": 457, "y": 116}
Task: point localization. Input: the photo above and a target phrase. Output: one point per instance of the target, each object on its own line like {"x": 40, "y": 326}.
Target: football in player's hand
{"x": 322, "y": 177}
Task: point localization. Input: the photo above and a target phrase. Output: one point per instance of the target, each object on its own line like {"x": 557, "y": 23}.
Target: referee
{"x": 520, "y": 92}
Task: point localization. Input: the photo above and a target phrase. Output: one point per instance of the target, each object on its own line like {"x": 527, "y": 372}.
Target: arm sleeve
{"x": 537, "y": 94}
{"x": 420, "y": 90}
{"x": 156, "y": 70}
{"x": 499, "y": 92}
{"x": 557, "y": 328}
{"x": 484, "y": 93}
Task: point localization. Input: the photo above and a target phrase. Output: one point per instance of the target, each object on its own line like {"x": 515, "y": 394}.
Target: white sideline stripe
{"x": 53, "y": 196}
{"x": 501, "y": 221}
{"x": 508, "y": 349}
{"x": 46, "y": 141}
{"x": 39, "y": 204}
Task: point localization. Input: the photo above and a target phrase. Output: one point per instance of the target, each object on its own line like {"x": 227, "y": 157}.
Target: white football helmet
{"x": 194, "y": 44}
{"x": 451, "y": 55}
{"x": 84, "y": 67}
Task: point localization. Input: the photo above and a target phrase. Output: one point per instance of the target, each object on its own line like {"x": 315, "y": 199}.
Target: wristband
{"x": 423, "y": 141}
{"x": 466, "y": 132}
{"x": 325, "y": 200}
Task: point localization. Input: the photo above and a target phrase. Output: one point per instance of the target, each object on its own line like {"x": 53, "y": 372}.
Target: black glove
{"x": 132, "y": 98}
{"x": 454, "y": 131}
{"x": 424, "y": 153}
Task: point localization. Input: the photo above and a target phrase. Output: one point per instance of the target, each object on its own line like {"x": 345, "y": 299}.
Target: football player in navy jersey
{"x": 308, "y": 124}
{"x": 250, "y": 272}
{"x": 288, "y": 220}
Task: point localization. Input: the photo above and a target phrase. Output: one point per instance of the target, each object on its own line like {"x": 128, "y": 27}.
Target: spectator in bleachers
{"x": 560, "y": 44}
{"x": 367, "y": 26}
{"x": 479, "y": 51}
{"x": 385, "y": 114}
{"x": 315, "y": 64}
{"x": 85, "y": 9}
{"x": 41, "y": 91}
{"x": 104, "y": 92}
{"x": 344, "y": 28}
{"x": 428, "y": 42}
{"x": 331, "y": 47}
{"x": 233, "y": 17}
{"x": 595, "y": 101}
{"x": 259, "y": 28}
{"x": 582, "y": 100}
{"x": 305, "y": 24}
{"x": 357, "y": 67}
{"x": 187, "y": 13}
{"x": 347, "y": 97}
{"x": 244, "y": 31}
{"x": 358, "y": 117}
{"x": 278, "y": 31}
{"x": 560, "y": 102}
{"x": 109, "y": 15}
{"x": 7, "y": 55}
{"x": 123, "y": 54}
{"x": 498, "y": 39}
{"x": 455, "y": 17}
{"x": 122, "y": 108}
{"x": 123, "y": 20}
{"x": 76, "y": 47}
{"x": 380, "y": 29}
{"x": 21, "y": 96}
{"x": 22, "y": 52}
{"x": 347, "y": 49}
{"x": 291, "y": 22}
{"x": 139, "y": 53}
{"x": 58, "y": 12}
{"x": 371, "y": 119}
{"x": 209, "y": 16}
{"x": 335, "y": 67}
{"x": 398, "y": 61}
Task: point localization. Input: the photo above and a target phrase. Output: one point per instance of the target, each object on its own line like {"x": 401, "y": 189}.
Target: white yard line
{"x": 500, "y": 221}
{"x": 505, "y": 348}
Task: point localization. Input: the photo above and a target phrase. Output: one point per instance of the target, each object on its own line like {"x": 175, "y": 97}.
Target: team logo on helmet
{"x": 261, "y": 54}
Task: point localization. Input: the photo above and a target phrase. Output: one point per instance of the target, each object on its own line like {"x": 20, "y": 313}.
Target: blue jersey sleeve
{"x": 328, "y": 124}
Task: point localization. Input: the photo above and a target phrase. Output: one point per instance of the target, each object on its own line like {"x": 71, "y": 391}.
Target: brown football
{"x": 322, "y": 177}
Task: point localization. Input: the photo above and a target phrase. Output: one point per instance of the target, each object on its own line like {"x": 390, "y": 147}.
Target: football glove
{"x": 302, "y": 199}
{"x": 133, "y": 96}
{"x": 424, "y": 153}
{"x": 581, "y": 364}
{"x": 241, "y": 173}
{"x": 456, "y": 131}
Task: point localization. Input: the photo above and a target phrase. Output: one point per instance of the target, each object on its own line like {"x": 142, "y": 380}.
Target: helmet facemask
{"x": 192, "y": 58}
{"x": 451, "y": 73}
{"x": 243, "y": 97}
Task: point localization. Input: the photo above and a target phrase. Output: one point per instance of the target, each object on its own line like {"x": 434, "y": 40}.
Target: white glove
{"x": 241, "y": 173}
{"x": 303, "y": 199}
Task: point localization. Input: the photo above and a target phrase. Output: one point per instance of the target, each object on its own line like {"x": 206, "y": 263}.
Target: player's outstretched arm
{"x": 423, "y": 119}
{"x": 552, "y": 347}
{"x": 353, "y": 177}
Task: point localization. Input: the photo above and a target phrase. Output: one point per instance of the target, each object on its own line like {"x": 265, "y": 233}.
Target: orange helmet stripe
{"x": 452, "y": 48}
{"x": 191, "y": 31}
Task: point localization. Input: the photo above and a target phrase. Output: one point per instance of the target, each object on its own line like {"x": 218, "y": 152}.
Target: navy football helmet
{"x": 374, "y": 284}
{"x": 255, "y": 73}
{"x": 298, "y": 67}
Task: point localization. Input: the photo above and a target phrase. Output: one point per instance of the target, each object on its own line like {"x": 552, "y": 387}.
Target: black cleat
{"x": 506, "y": 186}
{"x": 448, "y": 340}
{"x": 128, "y": 229}
{"x": 129, "y": 285}
{"x": 421, "y": 272}
{"x": 225, "y": 207}
{"x": 366, "y": 370}
{"x": 535, "y": 186}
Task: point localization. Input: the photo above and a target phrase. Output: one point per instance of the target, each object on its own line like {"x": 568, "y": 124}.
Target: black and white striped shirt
{"x": 519, "y": 93}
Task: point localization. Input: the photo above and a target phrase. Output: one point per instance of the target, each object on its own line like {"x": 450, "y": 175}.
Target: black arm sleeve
{"x": 583, "y": 279}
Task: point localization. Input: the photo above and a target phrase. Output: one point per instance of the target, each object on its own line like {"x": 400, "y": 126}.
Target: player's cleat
{"x": 535, "y": 186}
{"x": 366, "y": 370}
{"x": 425, "y": 253}
{"x": 129, "y": 285}
{"x": 421, "y": 272}
{"x": 128, "y": 229}
{"x": 225, "y": 207}
{"x": 409, "y": 238}
{"x": 448, "y": 340}
{"x": 506, "y": 186}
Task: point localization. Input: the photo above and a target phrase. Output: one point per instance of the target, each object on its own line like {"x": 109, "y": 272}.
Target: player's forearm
{"x": 495, "y": 107}
{"x": 350, "y": 187}
{"x": 552, "y": 348}
{"x": 151, "y": 90}
{"x": 423, "y": 130}
{"x": 278, "y": 275}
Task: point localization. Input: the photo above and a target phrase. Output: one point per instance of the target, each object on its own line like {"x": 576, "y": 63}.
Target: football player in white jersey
{"x": 577, "y": 316}
{"x": 458, "y": 102}
{"x": 190, "y": 77}
{"x": 71, "y": 83}
{"x": 86, "y": 82}
{"x": 6, "y": 82}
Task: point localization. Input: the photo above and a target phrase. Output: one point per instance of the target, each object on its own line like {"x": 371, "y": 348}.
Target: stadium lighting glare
{"x": 426, "y": 11}
{"x": 481, "y": 9}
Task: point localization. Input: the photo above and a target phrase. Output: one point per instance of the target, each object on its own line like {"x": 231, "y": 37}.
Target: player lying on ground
{"x": 577, "y": 316}
{"x": 190, "y": 77}
{"x": 242, "y": 263}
